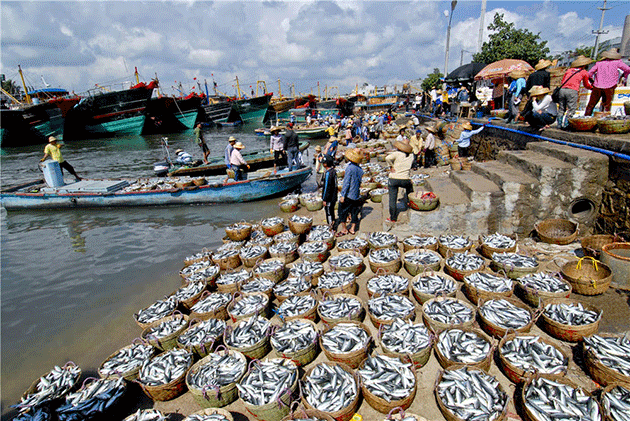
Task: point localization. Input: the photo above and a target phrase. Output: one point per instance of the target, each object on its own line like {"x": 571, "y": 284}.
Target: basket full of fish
{"x": 244, "y": 305}
{"x": 333, "y": 388}
{"x": 208, "y": 274}
{"x": 521, "y": 354}
{"x": 300, "y": 224}
{"x": 188, "y": 270}
{"x": 267, "y": 388}
{"x": 542, "y": 286}
{"x": 163, "y": 333}
{"x": 227, "y": 259}
{"x": 314, "y": 251}
{"x": 458, "y": 400}
{"x": 347, "y": 342}
{"x": 569, "y": 320}
{"x": 496, "y": 243}
{"x": 460, "y": 265}
{"x": 156, "y": 311}
{"x": 442, "y": 313}
{"x": 587, "y": 278}
{"x": 483, "y": 285}
{"x": 615, "y": 401}
{"x": 231, "y": 281}
{"x": 273, "y": 269}
{"x": 418, "y": 260}
{"x": 257, "y": 284}
{"x": 249, "y": 336}
{"x": 210, "y": 414}
{"x": 189, "y": 294}
{"x": 298, "y": 306}
{"x": 293, "y": 285}
{"x": 427, "y": 286}
{"x": 204, "y": 255}
{"x": 607, "y": 358}
{"x": 212, "y": 380}
{"x": 296, "y": 340}
{"x": 420, "y": 242}
{"x": 163, "y": 377}
{"x": 239, "y": 231}
{"x": 284, "y": 250}
{"x": 337, "y": 282}
{"x": 385, "y": 259}
{"x": 322, "y": 233}
{"x": 356, "y": 244}
{"x": 251, "y": 254}
{"x": 93, "y": 399}
{"x": 348, "y": 261}
{"x": 499, "y": 315}
{"x": 211, "y": 306}
{"x": 386, "y": 308}
{"x": 148, "y": 414}
{"x": 272, "y": 226}
{"x": 464, "y": 347}
{"x": 381, "y": 240}
{"x": 450, "y": 244}
{"x": 515, "y": 265}
{"x": 309, "y": 270}
{"x": 201, "y": 337}
{"x": 259, "y": 238}
{"x": 411, "y": 342}
{"x": 126, "y": 362}
{"x": 387, "y": 382}
{"x": 333, "y": 308}
{"x": 286, "y": 237}
{"x": 387, "y": 283}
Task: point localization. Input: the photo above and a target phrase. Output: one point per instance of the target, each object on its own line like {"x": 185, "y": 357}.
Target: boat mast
{"x": 319, "y": 94}
{"x": 238, "y": 88}
{"x": 28, "y": 97}
{"x": 137, "y": 78}
{"x": 279, "y": 90}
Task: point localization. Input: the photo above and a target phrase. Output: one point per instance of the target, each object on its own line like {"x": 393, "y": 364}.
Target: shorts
{"x": 204, "y": 147}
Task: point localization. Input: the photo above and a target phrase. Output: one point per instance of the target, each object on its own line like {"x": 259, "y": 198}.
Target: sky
{"x": 78, "y": 45}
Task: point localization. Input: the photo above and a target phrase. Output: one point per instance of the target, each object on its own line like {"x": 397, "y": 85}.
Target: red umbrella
{"x": 501, "y": 68}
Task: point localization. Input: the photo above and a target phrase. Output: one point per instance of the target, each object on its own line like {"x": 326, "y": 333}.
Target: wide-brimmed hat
{"x": 611, "y": 54}
{"x": 178, "y": 151}
{"x": 542, "y": 64}
{"x": 466, "y": 125}
{"x": 52, "y": 139}
{"x": 239, "y": 145}
{"x": 274, "y": 129}
{"x": 402, "y": 146}
{"x": 538, "y": 90}
{"x": 231, "y": 139}
{"x": 318, "y": 148}
{"x": 517, "y": 74}
{"x": 581, "y": 61}
{"x": 353, "y": 155}
{"x": 431, "y": 129}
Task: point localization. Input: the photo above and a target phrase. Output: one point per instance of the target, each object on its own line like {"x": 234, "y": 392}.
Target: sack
{"x": 555, "y": 96}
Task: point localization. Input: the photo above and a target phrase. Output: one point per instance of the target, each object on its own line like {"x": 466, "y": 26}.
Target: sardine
{"x": 617, "y": 403}
{"x": 546, "y": 282}
{"x": 463, "y": 347}
{"x": 266, "y": 267}
{"x": 188, "y": 291}
{"x": 434, "y": 284}
{"x": 249, "y": 304}
{"x": 51, "y": 386}
{"x": 449, "y": 311}
{"x": 257, "y": 285}
{"x": 489, "y": 282}
{"x": 286, "y": 236}
{"x": 252, "y": 252}
{"x": 388, "y": 284}
{"x": 149, "y": 414}
{"x": 344, "y": 261}
{"x": 291, "y": 286}
{"x": 574, "y": 314}
{"x": 202, "y": 333}
{"x": 505, "y": 314}
{"x": 465, "y": 261}
{"x": 454, "y": 241}
{"x": 384, "y": 255}
{"x": 127, "y": 359}
{"x": 551, "y": 400}
{"x": 247, "y": 332}
{"x": 335, "y": 279}
{"x": 390, "y": 307}
{"x": 230, "y": 278}
{"x": 514, "y": 260}
{"x": 329, "y": 388}
{"x": 204, "y": 255}
{"x": 296, "y": 305}
{"x": 422, "y": 257}
{"x": 267, "y": 381}
{"x": 339, "y": 307}
{"x": 529, "y": 354}
{"x": 405, "y": 337}
{"x": 271, "y": 222}
{"x": 283, "y": 248}
{"x": 306, "y": 269}
{"x": 230, "y": 246}
{"x": 293, "y": 336}
{"x": 387, "y": 377}
{"x": 298, "y": 219}
{"x": 312, "y": 247}
{"x": 612, "y": 351}
{"x": 92, "y": 399}
{"x": 498, "y": 241}
{"x": 355, "y": 243}
{"x": 380, "y": 239}
{"x": 345, "y": 337}
{"x": 166, "y": 328}
{"x": 219, "y": 370}
{"x": 156, "y": 311}
{"x": 165, "y": 367}
{"x": 212, "y": 302}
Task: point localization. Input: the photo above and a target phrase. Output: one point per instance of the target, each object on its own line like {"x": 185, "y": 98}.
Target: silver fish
{"x": 199, "y": 334}
{"x": 247, "y": 332}
{"x": 149, "y": 414}
{"x": 127, "y": 359}
{"x": 298, "y": 219}
{"x": 345, "y": 260}
{"x": 505, "y": 314}
{"x": 465, "y": 261}
{"x": 306, "y": 269}
{"x": 225, "y": 253}
{"x": 454, "y": 241}
{"x": 189, "y": 290}
{"x": 291, "y": 286}
{"x": 230, "y": 246}
{"x": 212, "y": 302}
{"x": 434, "y": 284}
{"x": 612, "y": 351}
{"x": 529, "y": 353}
{"x": 405, "y": 337}
{"x": 156, "y": 311}
{"x": 257, "y": 285}
{"x": 573, "y": 314}
{"x": 329, "y": 388}
{"x": 166, "y": 328}
{"x": 384, "y": 255}
{"x": 617, "y": 403}
{"x": 345, "y": 337}
{"x": 231, "y": 278}
{"x": 387, "y": 377}
{"x": 284, "y": 236}
{"x": 206, "y": 417}
{"x": 390, "y": 307}
{"x": 267, "y": 381}
{"x": 268, "y": 266}
{"x": 498, "y": 241}
{"x": 352, "y": 244}
{"x": 50, "y": 386}
{"x": 549, "y": 400}
{"x": 339, "y": 307}
{"x": 293, "y": 336}
{"x": 489, "y": 282}
{"x": 204, "y": 274}
{"x": 320, "y": 235}
{"x": 249, "y": 304}
{"x": 271, "y": 222}
{"x": 335, "y": 279}
{"x": 312, "y": 247}
{"x": 219, "y": 370}
{"x": 449, "y": 311}
{"x": 251, "y": 252}
{"x": 203, "y": 255}
{"x": 296, "y": 305}
{"x": 195, "y": 267}
{"x": 260, "y": 241}
{"x": 165, "y": 367}
{"x": 514, "y": 260}
{"x": 380, "y": 239}
{"x": 283, "y": 247}
{"x": 388, "y": 284}
{"x": 91, "y": 399}
{"x": 422, "y": 257}
{"x": 463, "y": 347}
{"x": 546, "y": 282}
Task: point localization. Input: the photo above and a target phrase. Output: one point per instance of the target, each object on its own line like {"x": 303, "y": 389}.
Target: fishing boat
{"x": 216, "y": 110}
{"x": 151, "y": 191}
{"x": 169, "y": 115}
{"x": 251, "y": 109}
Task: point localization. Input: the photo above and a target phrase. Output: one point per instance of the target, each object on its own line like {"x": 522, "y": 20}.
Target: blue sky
{"x": 340, "y": 44}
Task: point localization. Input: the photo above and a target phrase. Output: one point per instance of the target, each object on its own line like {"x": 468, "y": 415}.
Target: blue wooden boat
{"x": 152, "y": 191}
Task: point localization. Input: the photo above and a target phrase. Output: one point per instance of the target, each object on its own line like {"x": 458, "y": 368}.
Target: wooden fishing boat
{"x": 169, "y": 115}
{"x": 151, "y": 191}
{"x": 216, "y": 165}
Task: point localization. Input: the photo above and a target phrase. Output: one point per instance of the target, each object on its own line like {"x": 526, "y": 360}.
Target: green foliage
{"x": 11, "y": 87}
{"x": 432, "y": 79}
{"x": 508, "y": 42}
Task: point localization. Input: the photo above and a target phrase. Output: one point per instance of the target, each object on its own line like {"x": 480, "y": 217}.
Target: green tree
{"x": 432, "y": 79}
{"x": 12, "y": 88}
{"x": 508, "y": 42}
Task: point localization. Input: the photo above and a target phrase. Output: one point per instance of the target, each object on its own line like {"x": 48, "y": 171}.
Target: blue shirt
{"x": 464, "y": 138}
{"x": 352, "y": 182}
{"x": 228, "y": 152}
{"x": 517, "y": 86}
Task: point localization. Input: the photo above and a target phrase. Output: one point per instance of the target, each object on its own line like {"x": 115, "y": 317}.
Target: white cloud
{"x": 66, "y": 31}
{"x": 205, "y": 57}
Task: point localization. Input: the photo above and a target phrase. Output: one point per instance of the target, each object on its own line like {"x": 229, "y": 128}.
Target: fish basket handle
{"x": 86, "y": 381}
{"x": 220, "y": 348}
{"x": 502, "y": 271}
{"x": 73, "y": 364}
{"x": 205, "y": 294}
{"x": 593, "y": 261}
{"x": 141, "y": 340}
{"x": 255, "y": 361}
{"x": 380, "y": 271}
{"x": 150, "y": 335}
{"x": 508, "y": 331}
{"x": 211, "y": 342}
{"x": 177, "y": 313}
{"x": 398, "y": 410}
{"x": 193, "y": 321}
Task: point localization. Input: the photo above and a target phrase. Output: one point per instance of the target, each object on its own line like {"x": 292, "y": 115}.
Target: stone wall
{"x": 614, "y": 212}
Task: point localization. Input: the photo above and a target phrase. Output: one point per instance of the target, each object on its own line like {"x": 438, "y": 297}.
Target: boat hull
{"x": 251, "y": 109}
{"x": 32, "y": 125}
{"x": 170, "y": 115}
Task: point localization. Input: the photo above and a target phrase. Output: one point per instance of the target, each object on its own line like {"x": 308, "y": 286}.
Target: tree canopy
{"x": 508, "y": 42}
{"x": 432, "y": 79}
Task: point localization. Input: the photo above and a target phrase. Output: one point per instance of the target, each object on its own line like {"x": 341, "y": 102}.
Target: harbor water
{"x": 72, "y": 279}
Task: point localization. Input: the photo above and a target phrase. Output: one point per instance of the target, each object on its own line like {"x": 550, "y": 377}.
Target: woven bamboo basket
{"x": 253, "y": 352}
{"x": 382, "y": 405}
{"x": 275, "y": 410}
{"x": 259, "y": 312}
{"x": 33, "y": 387}
{"x": 145, "y": 325}
{"x": 533, "y": 297}
{"x": 460, "y": 274}
{"x": 607, "y": 126}
{"x": 484, "y": 364}
{"x": 281, "y": 297}
{"x": 376, "y": 196}
{"x": 344, "y": 246}
{"x": 418, "y": 359}
{"x": 129, "y": 375}
{"x": 557, "y": 231}
{"x": 211, "y": 411}
{"x": 425, "y": 204}
{"x": 601, "y": 373}
{"x": 529, "y": 415}
{"x": 287, "y": 257}
{"x": 445, "y": 250}
{"x": 356, "y": 269}
{"x": 583, "y": 124}
{"x": 202, "y": 349}
{"x": 251, "y": 261}
{"x": 606, "y": 415}
{"x": 500, "y": 331}
{"x": 567, "y": 332}
{"x": 320, "y": 257}
{"x": 514, "y": 272}
{"x": 206, "y": 258}
{"x": 310, "y": 314}
{"x": 407, "y": 247}
{"x": 314, "y": 205}
{"x": 516, "y": 374}
{"x": 475, "y": 294}
{"x": 286, "y": 237}
{"x": 389, "y": 244}
{"x": 357, "y": 317}
{"x": 276, "y": 275}
{"x": 169, "y": 341}
{"x": 219, "y": 397}
{"x": 189, "y": 302}
{"x": 590, "y": 278}
{"x": 456, "y": 164}
{"x": 303, "y": 356}
{"x": 239, "y": 231}
{"x": 328, "y": 238}
{"x": 231, "y": 287}
{"x": 218, "y": 313}
{"x": 300, "y": 228}
{"x": 398, "y": 414}
{"x": 377, "y": 322}
{"x": 268, "y": 292}
{"x": 389, "y": 267}
{"x": 592, "y": 244}
{"x": 344, "y": 414}
{"x": 487, "y": 251}
{"x": 289, "y": 206}
{"x": 422, "y": 297}
{"x": 353, "y": 358}
{"x": 183, "y": 184}
{"x": 231, "y": 261}
{"x": 437, "y": 326}
{"x": 272, "y": 230}
{"x": 347, "y": 288}
{"x": 414, "y": 269}
{"x": 166, "y": 392}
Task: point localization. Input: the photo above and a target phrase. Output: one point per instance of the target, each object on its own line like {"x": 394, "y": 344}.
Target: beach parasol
{"x": 501, "y": 68}
{"x": 465, "y": 73}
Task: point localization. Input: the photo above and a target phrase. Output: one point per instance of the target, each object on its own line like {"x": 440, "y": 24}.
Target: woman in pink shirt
{"x": 575, "y": 75}
{"x": 605, "y": 75}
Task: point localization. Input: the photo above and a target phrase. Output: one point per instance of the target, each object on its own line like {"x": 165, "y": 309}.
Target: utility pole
{"x": 481, "y": 19}
{"x": 448, "y": 35}
{"x": 599, "y": 31}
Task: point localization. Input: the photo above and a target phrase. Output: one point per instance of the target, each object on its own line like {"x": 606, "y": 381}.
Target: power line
{"x": 599, "y": 31}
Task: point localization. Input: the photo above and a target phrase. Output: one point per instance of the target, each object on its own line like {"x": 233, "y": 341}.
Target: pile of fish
{"x": 345, "y": 261}
{"x": 514, "y": 260}
{"x": 225, "y": 254}
{"x": 195, "y": 267}
{"x": 165, "y": 328}
{"x": 529, "y": 353}
{"x": 418, "y": 241}
{"x": 127, "y": 359}
{"x": 462, "y": 346}
{"x": 498, "y": 241}
{"x": 231, "y": 278}
{"x": 352, "y": 244}
{"x": 387, "y": 377}
{"x": 267, "y": 381}
{"x": 293, "y": 336}
{"x": 405, "y": 337}
{"x": 149, "y": 414}
{"x": 489, "y": 282}
{"x": 52, "y": 385}
{"x": 252, "y": 252}
{"x": 422, "y": 257}
{"x": 156, "y": 311}
{"x": 208, "y": 272}
{"x": 616, "y": 402}
{"x": 454, "y": 241}
{"x": 42, "y": 413}
{"x": 204, "y": 255}
{"x": 249, "y": 304}
{"x": 165, "y": 368}
{"x": 384, "y": 255}
{"x": 206, "y": 417}
{"x": 296, "y": 305}
{"x": 283, "y": 248}
{"x": 91, "y": 400}
{"x": 320, "y": 235}
{"x": 268, "y": 266}
{"x": 202, "y": 333}
{"x": 212, "y": 302}
{"x": 434, "y": 284}
{"x": 306, "y": 269}
{"x": 504, "y": 314}
{"x": 335, "y": 279}
{"x": 388, "y": 284}
{"x": 247, "y": 332}
{"x": 219, "y": 370}
{"x": 472, "y": 394}
{"x": 313, "y": 247}
{"x": 390, "y": 307}
{"x": 379, "y": 192}
{"x": 574, "y": 314}
{"x": 257, "y": 285}
{"x": 339, "y": 307}
{"x": 330, "y": 388}
{"x": 260, "y": 240}
{"x": 465, "y": 261}
{"x": 297, "y": 219}
{"x": 380, "y": 239}
{"x": 230, "y": 245}
{"x": 612, "y": 351}
{"x": 291, "y": 286}
{"x": 189, "y": 290}
{"x": 449, "y": 311}
{"x": 550, "y": 400}
{"x": 344, "y": 338}
{"x": 271, "y": 222}
{"x": 545, "y": 282}
{"x": 285, "y": 236}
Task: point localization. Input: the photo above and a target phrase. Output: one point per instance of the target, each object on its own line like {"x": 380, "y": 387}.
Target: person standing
{"x": 416, "y": 146}
{"x": 605, "y": 75}
{"x": 429, "y": 148}
{"x": 276, "y": 147}
{"x": 227, "y": 154}
{"x": 570, "y": 86}
{"x": 515, "y": 94}
{"x": 290, "y": 143}
{"x": 463, "y": 143}
{"x": 402, "y": 136}
{"x": 540, "y": 77}
{"x": 542, "y": 111}
{"x": 319, "y": 166}
{"x": 400, "y": 163}
{"x": 53, "y": 150}
{"x": 350, "y": 201}
{"x": 237, "y": 162}
{"x": 329, "y": 190}
{"x": 201, "y": 143}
